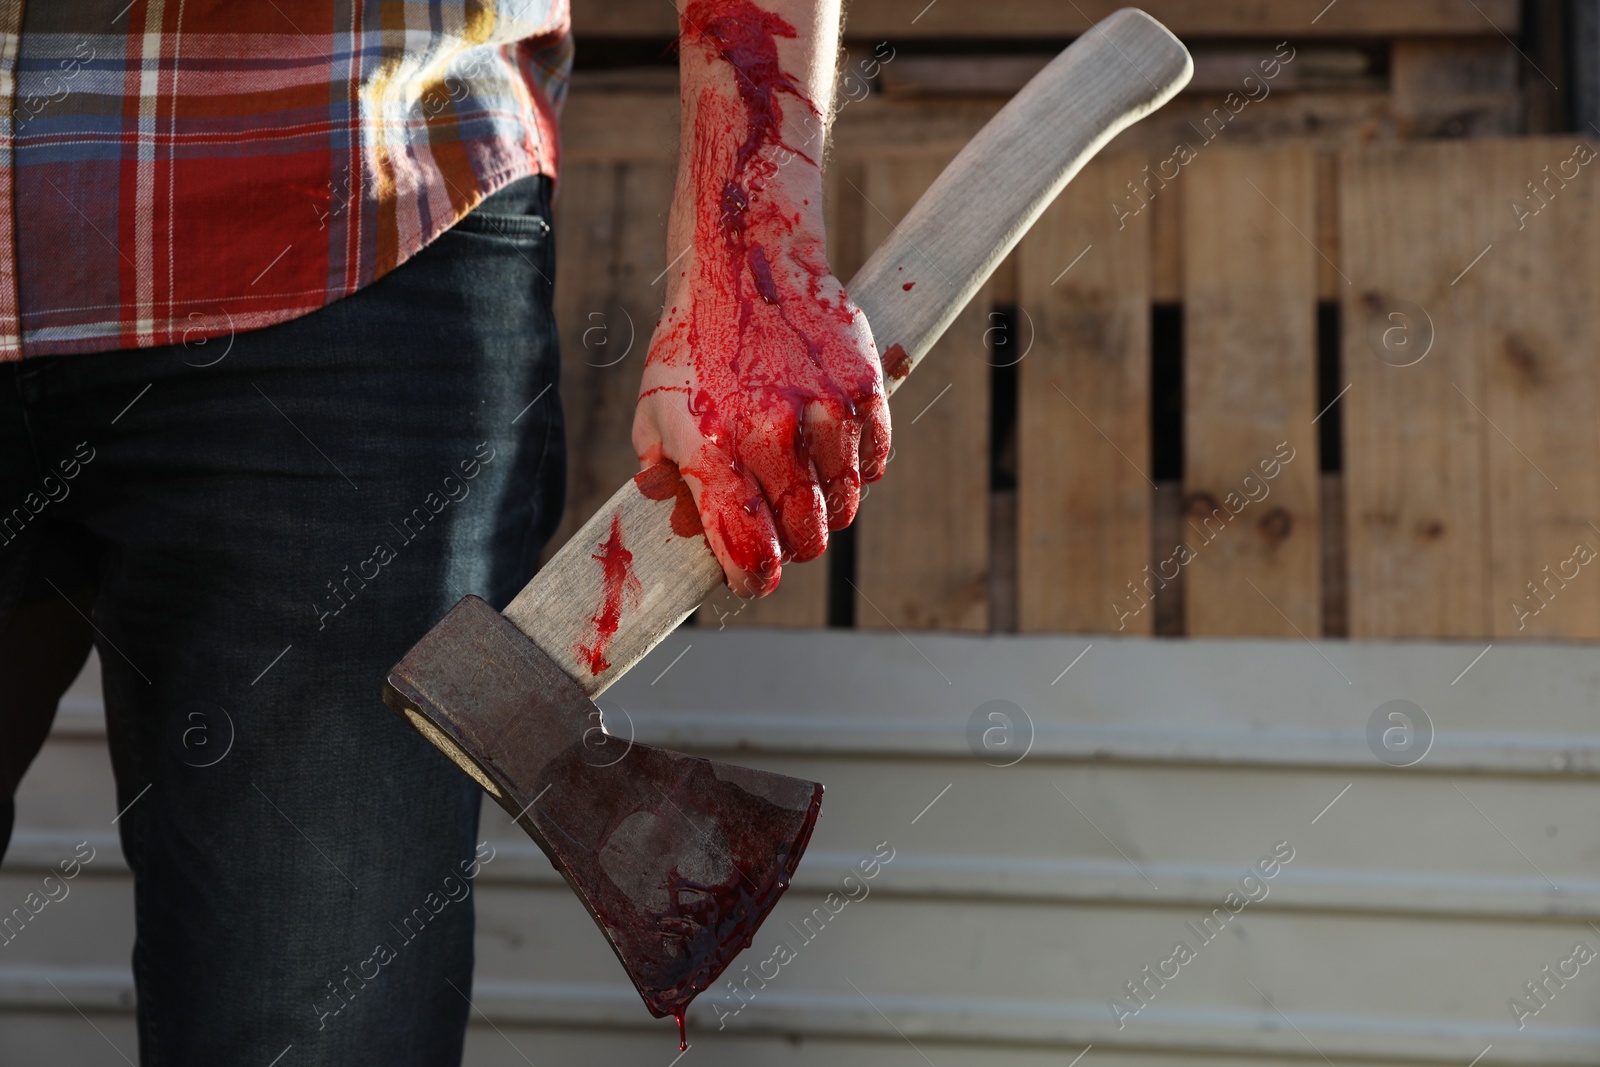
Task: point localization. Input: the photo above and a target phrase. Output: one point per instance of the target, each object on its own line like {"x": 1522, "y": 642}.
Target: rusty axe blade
{"x": 677, "y": 858}
{"x": 680, "y": 859}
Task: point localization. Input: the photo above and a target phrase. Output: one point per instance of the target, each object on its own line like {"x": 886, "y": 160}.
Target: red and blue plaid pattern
{"x": 183, "y": 169}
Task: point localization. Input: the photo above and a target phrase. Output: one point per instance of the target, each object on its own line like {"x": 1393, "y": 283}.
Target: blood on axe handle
{"x": 680, "y": 859}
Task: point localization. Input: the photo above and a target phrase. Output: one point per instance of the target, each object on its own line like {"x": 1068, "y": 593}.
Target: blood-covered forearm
{"x": 756, "y": 80}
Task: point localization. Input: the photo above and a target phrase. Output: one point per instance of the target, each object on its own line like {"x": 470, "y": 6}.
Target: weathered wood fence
{"x": 1222, "y": 388}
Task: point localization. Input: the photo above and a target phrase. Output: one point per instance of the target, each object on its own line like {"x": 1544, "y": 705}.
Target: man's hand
{"x": 762, "y": 382}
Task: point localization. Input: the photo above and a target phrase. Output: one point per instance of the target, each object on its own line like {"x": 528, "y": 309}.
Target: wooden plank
{"x": 1448, "y": 88}
{"x": 1326, "y": 234}
{"x": 642, "y": 125}
{"x": 1415, "y": 475}
{"x": 608, "y": 126}
{"x": 1003, "y": 561}
{"x": 875, "y": 19}
{"x": 1166, "y": 253}
{"x": 1084, "y": 410}
{"x": 1532, "y": 304}
{"x": 1457, "y": 525}
{"x": 1250, "y": 392}
{"x": 1218, "y": 69}
{"x": 843, "y": 211}
{"x": 1321, "y": 117}
{"x": 922, "y": 542}
{"x": 960, "y": 75}
{"x": 1166, "y": 531}
{"x": 1335, "y": 558}
{"x": 611, "y": 229}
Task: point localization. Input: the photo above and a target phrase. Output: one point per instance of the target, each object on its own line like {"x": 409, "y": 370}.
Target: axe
{"x": 679, "y": 859}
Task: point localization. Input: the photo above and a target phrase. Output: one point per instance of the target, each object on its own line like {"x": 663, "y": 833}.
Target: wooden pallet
{"x": 1033, "y": 18}
{"x": 1446, "y": 505}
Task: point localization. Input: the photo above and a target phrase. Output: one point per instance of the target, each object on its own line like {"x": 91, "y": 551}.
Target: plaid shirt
{"x": 172, "y": 170}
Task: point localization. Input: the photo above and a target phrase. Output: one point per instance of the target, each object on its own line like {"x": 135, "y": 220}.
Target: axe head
{"x": 678, "y": 859}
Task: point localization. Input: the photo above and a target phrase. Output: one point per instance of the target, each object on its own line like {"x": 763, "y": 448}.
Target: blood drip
{"x": 675, "y": 932}
{"x": 907, "y": 286}
{"x": 621, "y": 589}
{"x": 683, "y": 1035}
{"x": 770, "y": 338}
{"x": 716, "y": 922}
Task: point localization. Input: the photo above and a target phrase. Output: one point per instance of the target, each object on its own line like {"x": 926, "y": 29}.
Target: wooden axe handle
{"x": 969, "y": 219}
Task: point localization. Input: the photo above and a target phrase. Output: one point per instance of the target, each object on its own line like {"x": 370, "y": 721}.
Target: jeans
{"x": 259, "y": 527}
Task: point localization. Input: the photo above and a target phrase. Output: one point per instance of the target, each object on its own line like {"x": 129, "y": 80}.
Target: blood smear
{"x": 621, "y": 587}
{"x": 896, "y": 362}
{"x": 663, "y": 482}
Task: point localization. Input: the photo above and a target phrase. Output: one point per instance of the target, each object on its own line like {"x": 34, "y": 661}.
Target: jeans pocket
{"x": 521, "y": 229}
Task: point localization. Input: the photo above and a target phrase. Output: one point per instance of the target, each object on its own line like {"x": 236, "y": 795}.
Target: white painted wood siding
{"x": 1020, "y": 899}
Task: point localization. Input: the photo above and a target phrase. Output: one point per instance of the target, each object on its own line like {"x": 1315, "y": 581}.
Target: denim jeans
{"x": 259, "y": 527}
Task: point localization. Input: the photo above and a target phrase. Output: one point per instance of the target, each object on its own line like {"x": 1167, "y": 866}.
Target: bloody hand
{"x": 762, "y": 382}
